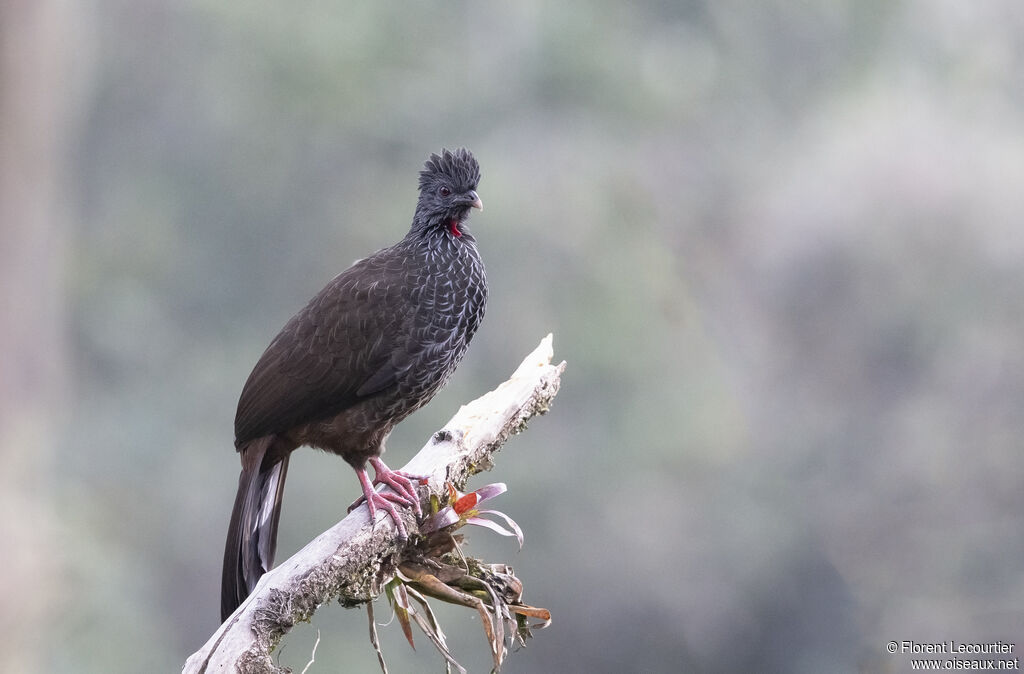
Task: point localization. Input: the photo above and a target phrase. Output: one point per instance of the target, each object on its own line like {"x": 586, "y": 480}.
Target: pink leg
{"x": 374, "y": 499}
{"x": 404, "y": 493}
{"x": 401, "y": 482}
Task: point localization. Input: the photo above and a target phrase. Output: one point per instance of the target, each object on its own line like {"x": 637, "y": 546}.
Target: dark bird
{"x": 371, "y": 348}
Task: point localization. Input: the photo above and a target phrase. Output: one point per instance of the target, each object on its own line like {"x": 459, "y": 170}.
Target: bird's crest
{"x": 460, "y": 166}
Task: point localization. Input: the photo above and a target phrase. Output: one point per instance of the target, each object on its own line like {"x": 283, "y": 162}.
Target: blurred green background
{"x": 779, "y": 245}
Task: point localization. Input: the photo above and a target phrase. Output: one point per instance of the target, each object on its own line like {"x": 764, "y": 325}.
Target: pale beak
{"x": 477, "y": 203}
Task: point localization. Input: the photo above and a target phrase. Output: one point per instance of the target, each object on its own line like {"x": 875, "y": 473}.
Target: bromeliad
{"x": 434, "y": 566}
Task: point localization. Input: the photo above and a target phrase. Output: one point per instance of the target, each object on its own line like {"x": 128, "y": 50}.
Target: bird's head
{"x": 448, "y": 189}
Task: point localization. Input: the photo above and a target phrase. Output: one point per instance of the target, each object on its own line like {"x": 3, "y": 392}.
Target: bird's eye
{"x": 445, "y": 191}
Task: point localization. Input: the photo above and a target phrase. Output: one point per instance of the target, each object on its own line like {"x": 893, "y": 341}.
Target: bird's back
{"x": 380, "y": 339}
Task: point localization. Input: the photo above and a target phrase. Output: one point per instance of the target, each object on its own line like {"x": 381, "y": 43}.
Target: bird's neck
{"x": 439, "y": 232}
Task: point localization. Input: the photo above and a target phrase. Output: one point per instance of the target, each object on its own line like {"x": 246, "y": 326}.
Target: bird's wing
{"x": 337, "y": 350}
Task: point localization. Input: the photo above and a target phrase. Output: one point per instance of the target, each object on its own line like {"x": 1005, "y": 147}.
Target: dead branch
{"x": 351, "y": 561}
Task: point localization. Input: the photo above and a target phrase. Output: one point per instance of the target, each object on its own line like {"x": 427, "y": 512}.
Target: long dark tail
{"x": 252, "y": 534}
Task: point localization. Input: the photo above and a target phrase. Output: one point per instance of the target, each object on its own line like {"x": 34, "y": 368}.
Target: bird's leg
{"x": 374, "y": 499}
{"x": 404, "y": 493}
{"x": 400, "y": 481}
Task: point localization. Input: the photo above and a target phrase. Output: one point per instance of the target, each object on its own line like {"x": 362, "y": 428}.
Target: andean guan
{"x": 368, "y": 350}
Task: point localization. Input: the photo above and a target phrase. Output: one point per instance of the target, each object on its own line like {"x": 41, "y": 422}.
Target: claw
{"x": 400, "y": 481}
{"x": 404, "y": 493}
{"x": 376, "y": 500}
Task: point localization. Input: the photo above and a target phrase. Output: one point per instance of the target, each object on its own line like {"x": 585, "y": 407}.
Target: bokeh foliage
{"x": 779, "y": 245}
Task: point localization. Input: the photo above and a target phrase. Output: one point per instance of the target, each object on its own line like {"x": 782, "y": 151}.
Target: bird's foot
{"x": 400, "y": 481}
{"x": 385, "y": 501}
{"x": 404, "y": 493}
